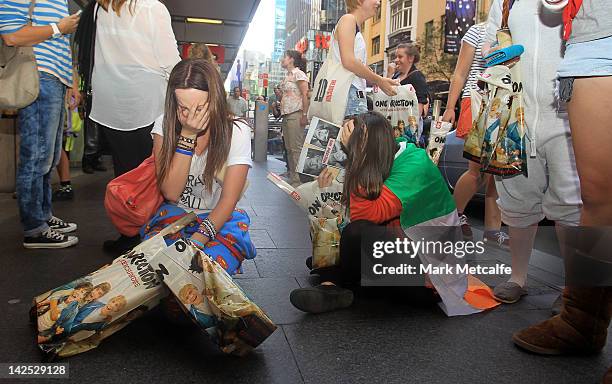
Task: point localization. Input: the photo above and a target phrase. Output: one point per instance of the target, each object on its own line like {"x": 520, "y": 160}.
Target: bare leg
{"x": 521, "y": 244}
{"x": 63, "y": 168}
{"x": 590, "y": 122}
{"x": 467, "y": 185}
{"x": 492, "y": 213}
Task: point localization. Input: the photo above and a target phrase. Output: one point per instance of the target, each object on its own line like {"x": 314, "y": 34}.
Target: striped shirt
{"x": 475, "y": 36}
{"x": 52, "y": 55}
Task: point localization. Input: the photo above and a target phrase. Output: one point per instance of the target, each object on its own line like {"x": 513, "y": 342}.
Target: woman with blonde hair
{"x": 135, "y": 51}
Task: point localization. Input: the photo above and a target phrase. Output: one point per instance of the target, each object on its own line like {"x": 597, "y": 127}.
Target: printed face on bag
{"x": 189, "y": 295}
{"x": 115, "y": 305}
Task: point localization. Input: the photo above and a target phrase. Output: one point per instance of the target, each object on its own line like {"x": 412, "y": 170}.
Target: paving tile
{"x": 261, "y": 238}
{"x": 283, "y": 262}
{"x": 472, "y": 349}
{"x": 272, "y": 295}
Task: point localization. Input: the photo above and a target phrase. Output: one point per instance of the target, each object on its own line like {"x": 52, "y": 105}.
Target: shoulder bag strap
{"x": 31, "y": 11}
{"x": 507, "y": 6}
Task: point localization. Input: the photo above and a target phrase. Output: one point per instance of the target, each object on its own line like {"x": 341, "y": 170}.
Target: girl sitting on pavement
{"x": 193, "y": 142}
{"x": 389, "y": 185}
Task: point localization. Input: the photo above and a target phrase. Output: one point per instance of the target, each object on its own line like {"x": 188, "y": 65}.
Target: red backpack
{"x": 133, "y": 198}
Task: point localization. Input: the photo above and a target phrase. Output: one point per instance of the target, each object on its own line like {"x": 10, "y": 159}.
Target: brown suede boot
{"x": 581, "y": 328}
{"x": 607, "y": 379}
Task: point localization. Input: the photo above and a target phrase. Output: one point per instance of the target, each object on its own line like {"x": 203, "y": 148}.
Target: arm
{"x": 29, "y": 35}
{"x": 303, "y": 85}
{"x": 345, "y": 31}
{"x": 384, "y": 208}
{"x": 164, "y": 42}
{"x": 493, "y": 23}
{"x": 233, "y": 184}
{"x": 464, "y": 62}
{"x": 173, "y": 185}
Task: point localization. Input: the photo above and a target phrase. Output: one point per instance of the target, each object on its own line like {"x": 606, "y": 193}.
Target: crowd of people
{"x": 145, "y": 101}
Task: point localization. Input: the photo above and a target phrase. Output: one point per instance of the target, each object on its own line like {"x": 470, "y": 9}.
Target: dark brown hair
{"x": 298, "y": 59}
{"x": 370, "y": 153}
{"x": 410, "y": 49}
{"x": 197, "y": 74}
{"x": 116, "y": 5}
{"x": 201, "y": 51}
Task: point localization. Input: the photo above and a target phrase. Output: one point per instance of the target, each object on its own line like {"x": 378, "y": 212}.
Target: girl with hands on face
{"x": 388, "y": 186}
{"x": 202, "y": 156}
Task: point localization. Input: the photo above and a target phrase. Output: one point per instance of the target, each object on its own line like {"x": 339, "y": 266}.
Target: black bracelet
{"x": 187, "y": 139}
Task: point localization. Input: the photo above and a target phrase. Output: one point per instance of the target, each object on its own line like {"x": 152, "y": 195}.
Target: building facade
{"x": 309, "y": 25}
{"x": 280, "y": 16}
{"x": 374, "y": 34}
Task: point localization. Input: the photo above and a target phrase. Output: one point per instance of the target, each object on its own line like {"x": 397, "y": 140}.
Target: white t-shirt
{"x": 195, "y": 197}
{"x": 134, "y": 55}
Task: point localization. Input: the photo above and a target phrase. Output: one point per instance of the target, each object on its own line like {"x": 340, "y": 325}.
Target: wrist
{"x": 188, "y": 134}
{"x": 55, "y": 30}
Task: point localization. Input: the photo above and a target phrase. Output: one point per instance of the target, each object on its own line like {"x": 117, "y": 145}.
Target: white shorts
{"x": 552, "y": 189}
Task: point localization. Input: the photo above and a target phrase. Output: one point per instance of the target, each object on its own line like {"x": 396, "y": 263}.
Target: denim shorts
{"x": 591, "y": 58}
{"x": 356, "y": 104}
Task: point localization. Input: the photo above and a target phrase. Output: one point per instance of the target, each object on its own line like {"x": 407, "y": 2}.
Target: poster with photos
{"x": 322, "y": 150}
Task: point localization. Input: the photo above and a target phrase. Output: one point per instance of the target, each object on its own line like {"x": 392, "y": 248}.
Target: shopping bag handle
{"x": 179, "y": 224}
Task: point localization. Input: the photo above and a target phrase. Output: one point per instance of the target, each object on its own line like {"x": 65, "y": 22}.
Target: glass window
{"x": 401, "y": 15}
{"x": 376, "y": 45}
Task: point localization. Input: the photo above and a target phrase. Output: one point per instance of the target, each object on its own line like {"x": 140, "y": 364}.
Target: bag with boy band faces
{"x": 77, "y": 316}
{"x": 213, "y": 300}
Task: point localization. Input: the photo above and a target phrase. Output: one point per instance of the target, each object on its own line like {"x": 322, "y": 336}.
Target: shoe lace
{"x": 51, "y": 234}
{"x": 56, "y": 221}
{"x": 463, "y": 220}
{"x": 501, "y": 237}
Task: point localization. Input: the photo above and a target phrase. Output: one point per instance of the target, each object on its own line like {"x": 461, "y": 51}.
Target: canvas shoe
{"x": 59, "y": 225}
{"x": 466, "y": 229}
{"x": 49, "y": 239}
{"x": 499, "y": 239}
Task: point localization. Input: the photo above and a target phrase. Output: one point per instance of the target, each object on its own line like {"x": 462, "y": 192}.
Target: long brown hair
{"x": 370, "y": 153}
{"x": 197, "y": 74}
{"x": 116, "y": 5}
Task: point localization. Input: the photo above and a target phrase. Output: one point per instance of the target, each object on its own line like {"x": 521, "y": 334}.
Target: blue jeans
{"x": 355, "y": 105}
{"x": 40, "y": 128}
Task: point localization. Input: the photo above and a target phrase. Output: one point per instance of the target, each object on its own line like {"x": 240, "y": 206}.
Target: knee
{"x": 595, "y": 193}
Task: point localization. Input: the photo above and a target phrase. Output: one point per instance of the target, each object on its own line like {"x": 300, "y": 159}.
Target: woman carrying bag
{"x": 347, "y": 62}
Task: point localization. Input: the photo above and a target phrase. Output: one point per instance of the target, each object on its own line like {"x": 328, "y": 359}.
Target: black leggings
{"x": 129, "y": 148}
{"x": 348, "y": 273}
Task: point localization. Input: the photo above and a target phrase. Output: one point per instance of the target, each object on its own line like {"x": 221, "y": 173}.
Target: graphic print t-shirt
{"x": 195, "y": 197}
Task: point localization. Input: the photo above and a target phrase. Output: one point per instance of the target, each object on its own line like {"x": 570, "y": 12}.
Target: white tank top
{"x": 360, "y": 54}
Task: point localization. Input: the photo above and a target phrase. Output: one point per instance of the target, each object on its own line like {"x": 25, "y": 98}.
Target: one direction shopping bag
{"x": 77, "y": 316}
{"x": 402, "y": 110}
{"x": 213, "y": 300}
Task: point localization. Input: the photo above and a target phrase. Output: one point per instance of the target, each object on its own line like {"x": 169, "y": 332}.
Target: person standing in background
{"x": 294, "y": 109}
{"x": 41, "y": 123}
{"x": 237, "y": 105}
{"x": 349, "y": 48}
{"x": 469, "y": 65}
{"x": 135, "y": 52}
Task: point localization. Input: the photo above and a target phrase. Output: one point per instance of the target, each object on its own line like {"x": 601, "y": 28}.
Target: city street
{"x": 374, "y": 341}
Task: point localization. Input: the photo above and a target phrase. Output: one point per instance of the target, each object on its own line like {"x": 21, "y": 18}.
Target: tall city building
{"x": 280, "y": 10}
{"x": 308, "y": 27}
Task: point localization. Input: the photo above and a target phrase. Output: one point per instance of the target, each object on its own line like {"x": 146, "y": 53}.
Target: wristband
{"x": 186, "y": 139}
{"x": 204, "y": 232}
{"x": 197, "y": 243}
{"x": 184, "y": 152}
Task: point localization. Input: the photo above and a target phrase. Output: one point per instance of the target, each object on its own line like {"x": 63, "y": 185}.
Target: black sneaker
{"x": 88, "y": 168}
{"x": 98, "y": 166}
{"x": 322, "y": 298}
{"x": 121, "y": 245}
{"x": 59, "y": 225}
{"x": 64, "y": 193}
{"x": 50, "y": 239}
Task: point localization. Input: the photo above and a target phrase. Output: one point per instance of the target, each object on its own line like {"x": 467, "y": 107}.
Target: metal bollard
{"x": 260, "y": 143}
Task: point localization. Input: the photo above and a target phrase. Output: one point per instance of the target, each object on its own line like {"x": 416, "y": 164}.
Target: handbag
{"x": 331, "y": 88}
{"x": 18, "y": 73}
{"x": 133, "y": 198}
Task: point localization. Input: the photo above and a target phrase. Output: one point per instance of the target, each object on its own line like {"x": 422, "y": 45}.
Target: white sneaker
{"x": 59, "y": 225}
{"x": 50, "y": 239}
